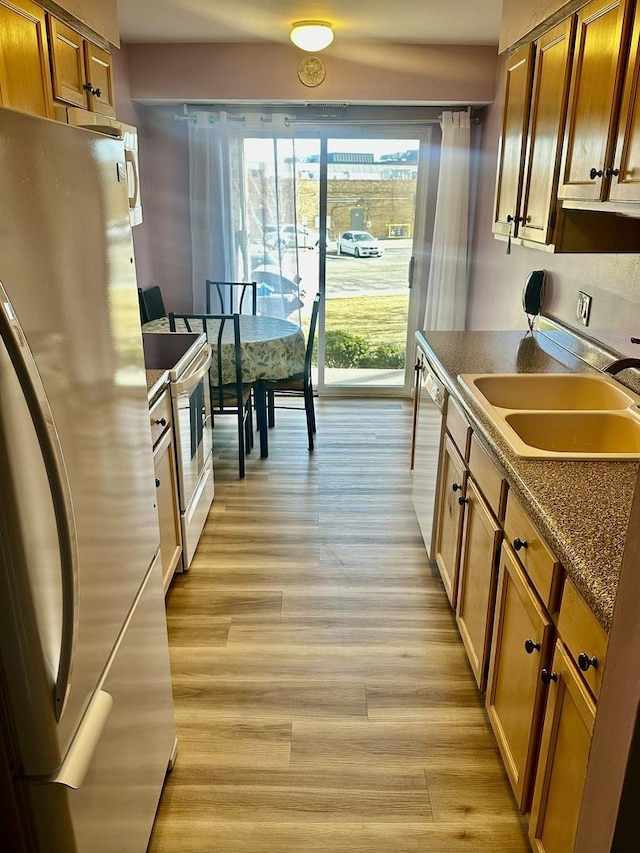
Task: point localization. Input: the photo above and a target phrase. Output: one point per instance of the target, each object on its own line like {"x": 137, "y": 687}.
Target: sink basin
{"x": 550, "y": 391}
{"x": 575, "y": 435}
{"x": 560, "y": 416}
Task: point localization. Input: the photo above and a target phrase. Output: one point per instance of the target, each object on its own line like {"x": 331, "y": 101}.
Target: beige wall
{"x": 497, "y": 279}
{"x": 419, "y": 74}
{"x": 177, "y": 73}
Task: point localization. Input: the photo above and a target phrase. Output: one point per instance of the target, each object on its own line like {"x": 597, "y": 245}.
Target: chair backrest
{"x": 231, "y": 296}
{"x": 315, "y": 309}
{"x": 144, "y": 317}
{"x": 213, "y": 325}
{"x": 153, "y": 303}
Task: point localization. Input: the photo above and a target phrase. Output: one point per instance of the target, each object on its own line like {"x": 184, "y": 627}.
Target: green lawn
{"x": 379, "y": 319}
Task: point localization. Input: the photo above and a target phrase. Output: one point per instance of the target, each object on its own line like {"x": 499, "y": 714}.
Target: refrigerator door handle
{"x": 42, "y": 417}
{"x": 78, "y": 759}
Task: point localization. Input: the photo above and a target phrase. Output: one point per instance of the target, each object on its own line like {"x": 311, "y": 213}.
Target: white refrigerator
{"x": 86, "y": 713}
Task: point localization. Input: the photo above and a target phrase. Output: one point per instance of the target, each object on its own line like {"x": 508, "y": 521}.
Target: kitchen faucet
{"x": 623, "y": 363}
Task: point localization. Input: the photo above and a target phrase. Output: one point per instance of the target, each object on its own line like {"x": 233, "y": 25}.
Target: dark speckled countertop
{"x": 581, "y": 508}
{"x": 156, "y": 382}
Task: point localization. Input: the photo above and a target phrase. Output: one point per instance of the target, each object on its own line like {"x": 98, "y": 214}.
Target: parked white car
{"x": 359, "y": 243}
{"x": 288, "y": 236}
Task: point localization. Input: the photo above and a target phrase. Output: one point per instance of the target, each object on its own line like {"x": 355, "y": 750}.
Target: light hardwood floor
{"x": 323, "y": 697}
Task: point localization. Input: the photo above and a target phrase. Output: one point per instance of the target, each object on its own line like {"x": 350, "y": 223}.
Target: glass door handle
{"x": 412, "y": 265}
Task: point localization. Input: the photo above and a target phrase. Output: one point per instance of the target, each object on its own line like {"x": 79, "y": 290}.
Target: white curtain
{"x": 448, "y": 273}
{"x": 209, "y": 206}
{"x": 241, "y": 190}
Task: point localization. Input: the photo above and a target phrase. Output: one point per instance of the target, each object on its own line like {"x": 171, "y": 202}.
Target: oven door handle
{"x": 187, "y": 383}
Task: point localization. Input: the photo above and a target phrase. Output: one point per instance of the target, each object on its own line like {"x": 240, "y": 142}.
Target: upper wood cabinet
{"x": 536, "y": 93}
{"x": 625, "y": 183}
{"x": 82, "y": 73}
{"x": 25, "y": 83}
{"x": 512, "y": 142}
{"x": 549, "y": 95}
{"x": 599, "y": 63}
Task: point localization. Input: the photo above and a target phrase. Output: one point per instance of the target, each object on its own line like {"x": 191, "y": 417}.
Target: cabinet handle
{"x": 157, "y": 483}
{"x": 547, "y": 676}
{"x": 595, "y": 173}
{"x": 518, "y": 543}
{"x": 611, "y": 173}
{"x": 456, "y": 487}
{"x": 161, "y": 421}
{"x": 462, "y": 501}
{"x": 585, "y": 662}
{"x": 530, "y": 646}
{"x": 89, "y": 88}
{"x": 511, "y": 218}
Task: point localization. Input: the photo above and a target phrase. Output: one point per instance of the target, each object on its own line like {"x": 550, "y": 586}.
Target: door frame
{"x": 427, "y": 133}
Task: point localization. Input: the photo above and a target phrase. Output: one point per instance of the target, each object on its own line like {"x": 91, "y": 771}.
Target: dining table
{"x": 272, "y": 349}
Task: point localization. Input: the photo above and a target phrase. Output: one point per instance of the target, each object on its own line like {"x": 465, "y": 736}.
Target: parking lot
{"x": 350, "y": 276}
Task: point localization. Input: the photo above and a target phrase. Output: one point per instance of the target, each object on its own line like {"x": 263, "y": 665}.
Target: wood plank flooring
{"x": 324, "y": 703}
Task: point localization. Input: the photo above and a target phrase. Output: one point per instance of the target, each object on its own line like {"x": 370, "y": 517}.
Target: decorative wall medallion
{"x": 311, "y": 71}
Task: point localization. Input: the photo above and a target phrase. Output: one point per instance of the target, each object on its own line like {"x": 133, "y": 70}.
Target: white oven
{"x": 187, "y": 357}
{"x": 190, "y": 400}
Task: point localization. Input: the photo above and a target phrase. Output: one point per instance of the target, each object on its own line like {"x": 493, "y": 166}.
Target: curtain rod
{"x": 319, "y": 119}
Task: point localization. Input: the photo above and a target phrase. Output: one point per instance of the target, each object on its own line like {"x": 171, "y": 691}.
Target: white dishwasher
{"x": 428, "y": 436}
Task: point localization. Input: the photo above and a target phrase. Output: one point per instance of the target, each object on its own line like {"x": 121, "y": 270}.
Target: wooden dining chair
{"x": 231, "y": 296}
{"x": 227, "y": 397}
{"x": 300, "y": 384}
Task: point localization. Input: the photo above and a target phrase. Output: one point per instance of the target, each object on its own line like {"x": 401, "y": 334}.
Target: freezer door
{"x": 111, "y": 780}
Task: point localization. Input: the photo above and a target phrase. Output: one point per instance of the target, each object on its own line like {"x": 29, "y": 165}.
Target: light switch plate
{"x": 583, "y": 308}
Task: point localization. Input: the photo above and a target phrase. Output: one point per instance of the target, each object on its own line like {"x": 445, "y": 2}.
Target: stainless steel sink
{"x": 560, "y": 416}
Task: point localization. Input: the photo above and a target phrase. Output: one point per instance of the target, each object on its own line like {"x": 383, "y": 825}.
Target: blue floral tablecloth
{"x": 272, "y": 348}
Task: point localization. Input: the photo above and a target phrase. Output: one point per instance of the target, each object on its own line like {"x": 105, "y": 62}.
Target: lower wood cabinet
{"x": 564, "y": 752}
{"x": 164, "y": 460}
{"x": 168, "y": 508}
{"x": 450, "y": 512}
{"x": 477, "y": 583}
{"x": 513, "y": 603}
{"x": 521, "y": 649}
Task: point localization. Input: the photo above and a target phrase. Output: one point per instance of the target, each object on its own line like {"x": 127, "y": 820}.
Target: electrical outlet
{"x": 583, "y": 308}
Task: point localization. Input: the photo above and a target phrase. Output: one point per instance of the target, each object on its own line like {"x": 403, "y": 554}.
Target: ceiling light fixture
{"x": 312, "y": 35}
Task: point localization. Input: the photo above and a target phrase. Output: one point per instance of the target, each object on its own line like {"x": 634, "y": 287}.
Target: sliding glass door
{"x": 343, "y": 215}
{"x": 371, "y": 192}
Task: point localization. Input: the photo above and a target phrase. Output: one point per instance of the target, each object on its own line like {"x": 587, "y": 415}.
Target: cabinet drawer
{"x": 538, "y": 561}
{"x": 160, "y": 416}
{"x": 487, "y": 478}
{"x": 458, "y": 428}
{"x": 583, "y": 635}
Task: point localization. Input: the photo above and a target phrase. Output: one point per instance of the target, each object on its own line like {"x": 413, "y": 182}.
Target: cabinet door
{"x": 550, "y": 91}
{"x": 25, "y": 83}
{"x": 99, "y": 76}
{"x": 512, "y": 141}
{"x": 625, "y": 179}
{"x": 168, "y": 509}
{"x": 67, "y": 62}
{"x": 477, "y": 586}
{"x": 596, "y": 84}
{"x": 449, "y": 515}
{"x": 564, "y": 752}
{"x": 521, "y": 647}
